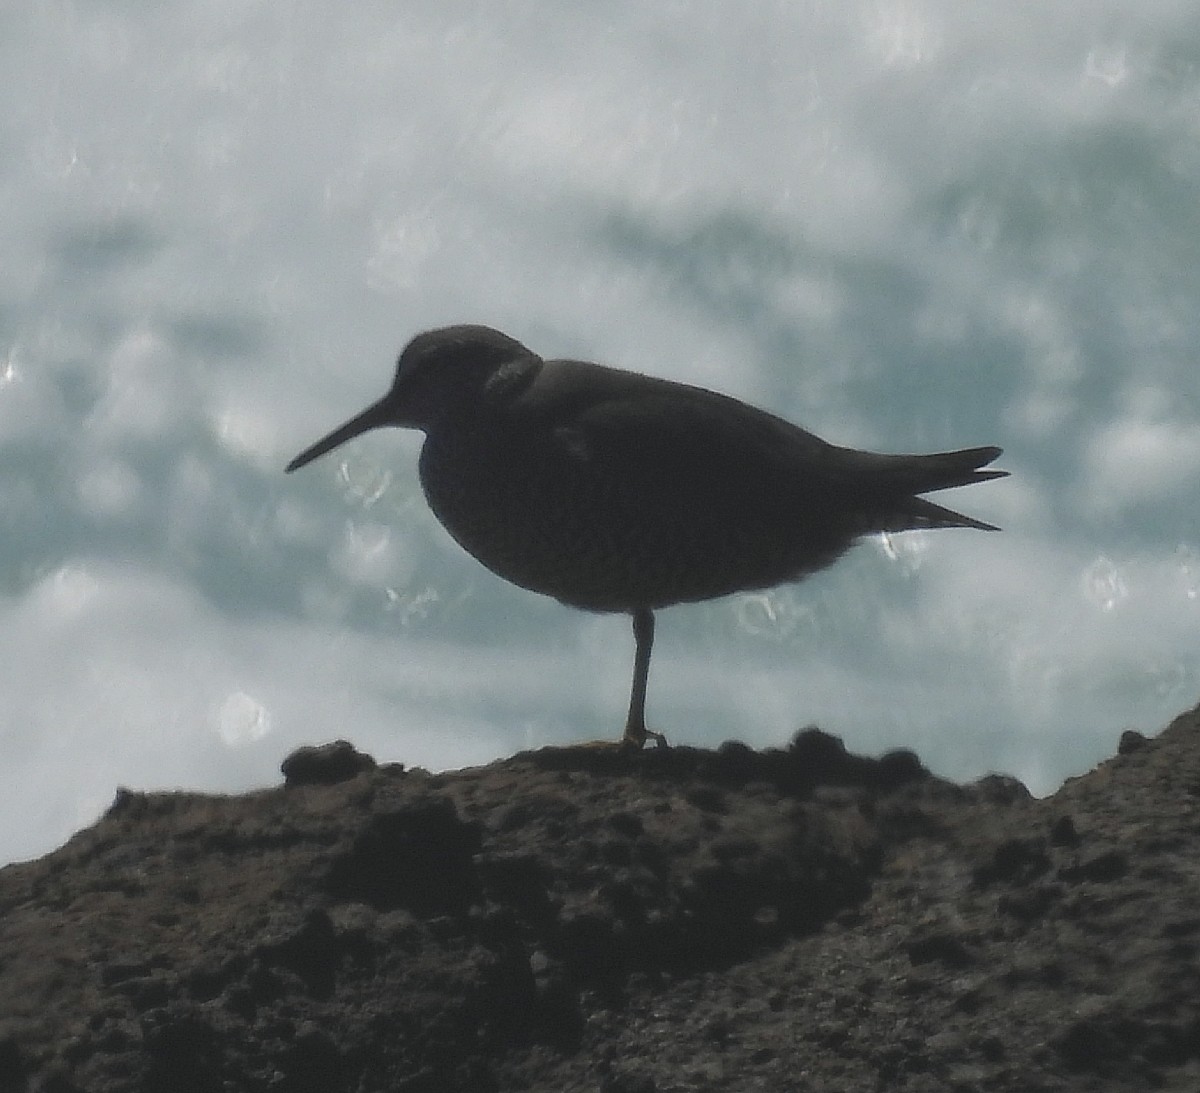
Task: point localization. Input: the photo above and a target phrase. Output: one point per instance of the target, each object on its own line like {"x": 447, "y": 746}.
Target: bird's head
{"x": 441, "y": 375}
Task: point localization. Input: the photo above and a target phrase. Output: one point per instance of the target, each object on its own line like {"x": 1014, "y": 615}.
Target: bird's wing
{"x": 700, "y": 432}
{"x": 691, "y": 446}
{"x": 674, "y": 441}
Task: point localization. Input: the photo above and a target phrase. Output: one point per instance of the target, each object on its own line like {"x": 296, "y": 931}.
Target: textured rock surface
{"x": 799, "y": 919}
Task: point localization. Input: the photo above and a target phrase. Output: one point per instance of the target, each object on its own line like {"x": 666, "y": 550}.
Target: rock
{"x": 584, "y": 919}
{"x": 325, "y": 764}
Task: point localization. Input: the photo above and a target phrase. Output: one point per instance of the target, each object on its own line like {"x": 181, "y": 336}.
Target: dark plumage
{"x": 614, "y": 491}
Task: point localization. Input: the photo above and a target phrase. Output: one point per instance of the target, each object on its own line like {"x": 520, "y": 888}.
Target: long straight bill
{"x": 372, "y": 417}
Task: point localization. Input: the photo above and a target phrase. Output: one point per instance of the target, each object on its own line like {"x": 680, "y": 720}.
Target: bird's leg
{"x": 636, "y": 732}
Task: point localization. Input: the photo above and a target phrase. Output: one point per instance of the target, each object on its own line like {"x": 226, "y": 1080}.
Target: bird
{"x": 615, "y": 491}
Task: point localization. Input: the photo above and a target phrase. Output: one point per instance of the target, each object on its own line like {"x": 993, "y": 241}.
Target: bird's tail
{"x": 940, "y": 471}
{"x": 925, "y": 514}
{"x": 902, "y": 478}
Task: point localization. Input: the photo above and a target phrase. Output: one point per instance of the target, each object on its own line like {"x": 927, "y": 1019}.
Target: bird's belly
{"x": 559, "y": 529}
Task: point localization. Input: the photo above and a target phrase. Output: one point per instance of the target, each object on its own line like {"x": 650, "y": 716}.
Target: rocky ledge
{"x": 581, "y": 919}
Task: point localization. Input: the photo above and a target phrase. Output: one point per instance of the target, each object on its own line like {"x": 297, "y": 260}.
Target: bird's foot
{"x": 636, "y": 736}
{"x": 633, "y": 740}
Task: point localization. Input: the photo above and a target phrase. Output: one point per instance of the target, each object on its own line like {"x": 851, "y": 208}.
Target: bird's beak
{"x": 372, "y": 417}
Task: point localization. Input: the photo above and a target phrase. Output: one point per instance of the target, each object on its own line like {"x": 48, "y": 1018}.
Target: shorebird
{"x": 620, "y": 492}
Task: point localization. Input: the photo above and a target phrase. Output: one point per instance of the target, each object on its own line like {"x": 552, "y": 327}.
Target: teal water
{"x": 906, "y": 226}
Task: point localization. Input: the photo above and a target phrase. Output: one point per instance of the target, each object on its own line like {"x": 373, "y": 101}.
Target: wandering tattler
{"x": 614, "y": 491}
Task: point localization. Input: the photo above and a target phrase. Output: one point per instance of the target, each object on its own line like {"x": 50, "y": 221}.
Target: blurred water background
{"x": 905, "y": 224}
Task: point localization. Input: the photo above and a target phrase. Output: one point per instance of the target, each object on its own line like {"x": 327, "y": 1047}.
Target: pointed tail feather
{"x": 925, "y": 514}
{"x": 942, "y": 470}
{"x": 902, "y": 478}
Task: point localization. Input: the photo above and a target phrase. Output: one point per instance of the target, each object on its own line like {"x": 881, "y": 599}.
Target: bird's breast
{"x": 531, "y": 516}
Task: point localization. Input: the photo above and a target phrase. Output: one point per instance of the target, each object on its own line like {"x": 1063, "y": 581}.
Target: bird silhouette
{"x": 614, "y": 491}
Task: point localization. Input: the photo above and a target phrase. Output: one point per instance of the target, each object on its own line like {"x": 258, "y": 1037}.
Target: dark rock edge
{"x": 582, "y": 919}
